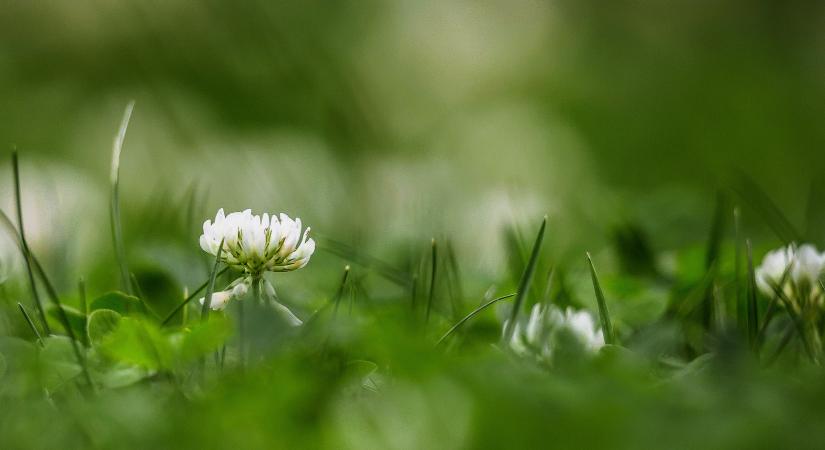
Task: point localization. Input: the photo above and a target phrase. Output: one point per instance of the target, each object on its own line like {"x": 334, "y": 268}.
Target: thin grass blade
{"x": 117, "y": 229}
{"x": 189, "y": 298}
{"x": 31, "y": 323}
{"x": 524, "y": 283}
{"x": 337, "y": 299}
{"x": 472, "y": 314}
{"x": 18, "y": 202}
{"x": 434, "y": 266}
{"x": 207, "y": 299}
{"x": 711, "y": 257}
{"x": 753, "y": 314}
{"x": 751, "y": 192}
{"x": 81, "y": 292}
{"x": 604, "y": 313}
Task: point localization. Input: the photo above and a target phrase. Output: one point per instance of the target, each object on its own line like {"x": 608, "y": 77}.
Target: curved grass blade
{"x": 472, "y": 314}
{"x": 64, "y": 319}
{"x": 524, "y": 283}
{"x": 431, "y": 295}
{"x": 207, "y": 299}
{"x": 604, "y": 313}
{"x": 52, "y": 294}
{"x": 751, "y": 192}
{"x": 117, "y": 230}
{"x": 31, "y": 323}
{"x": 18, "y": 202}
{"x": 382, "y": 268}
{"x": 189, "y": 298}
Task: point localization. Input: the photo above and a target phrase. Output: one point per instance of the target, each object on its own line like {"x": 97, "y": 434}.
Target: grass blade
{"x": 340, "y": 293}
{"x": 18, "y": 202}
{"x": 31, "y": 323}
{"x": 432, "y": 281}
{"x": 138, "y": 292}
{"x": 753, "y": 315}
{"x": 81, "y": 291}
{"x": 604, "y": 313}
{"x": 189, "y": 298}
{"x": 207, "y": 299}
{"x": 117, "y": 230}
{"x": 741, "y": 295}
{"x": 524, "y": 283}
{"x": 750, "y": 191}
{"x": 472, "y": 314}
{"x": 369, "y": 262}
{"x": 454, "y": 277}
{"x": 711, "y": 257}
{"x": 52, "y": 294}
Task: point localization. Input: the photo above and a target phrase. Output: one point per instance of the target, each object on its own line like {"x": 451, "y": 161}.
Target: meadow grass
{"x": 131, "y": 367}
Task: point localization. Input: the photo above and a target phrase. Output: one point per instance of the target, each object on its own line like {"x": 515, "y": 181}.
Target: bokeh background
{"x": 384, "y": 124}
{"x": 387, "y": 120}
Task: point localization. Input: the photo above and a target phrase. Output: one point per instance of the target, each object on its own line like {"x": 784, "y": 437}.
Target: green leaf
{"x": 58, "y": 361}
{"x": 118, "y": 301}
{"x": 100, "y": 324}
{"x": 120, "y": 376}
{"x": 77, "y": 321}
{"x": 204, "y": 338}
{"x": 20, "y": 359}
{"x": 138, "y": 342}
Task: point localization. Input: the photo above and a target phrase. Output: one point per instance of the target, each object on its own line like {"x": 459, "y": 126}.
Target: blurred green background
{"x": 383, "y": 124}
{"x": 413, "y": 119}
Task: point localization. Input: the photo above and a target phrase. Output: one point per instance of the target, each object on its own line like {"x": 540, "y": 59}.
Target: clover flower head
{"x": 583, "y": 325}
{"x": 538, "y": 334}
{"x": 804, "y": 266}
{"x": 809, "y": 265}
{"x": 258, "y": 243}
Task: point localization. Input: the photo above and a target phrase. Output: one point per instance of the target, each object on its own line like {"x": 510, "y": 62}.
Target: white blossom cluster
{"x": 794, "y": 270}
{"x": 538, "y": 335}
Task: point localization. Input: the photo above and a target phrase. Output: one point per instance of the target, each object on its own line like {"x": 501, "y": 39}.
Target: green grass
{"x": 132, "y": 368}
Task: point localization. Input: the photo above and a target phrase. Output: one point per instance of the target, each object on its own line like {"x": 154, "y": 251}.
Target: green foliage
{"x": 383, "y": 124}
{"x": 123, "y": 304}
{"x": 77, "y": 320}
{"x": 143, "y": 344}
{"x": 101, "y": 323}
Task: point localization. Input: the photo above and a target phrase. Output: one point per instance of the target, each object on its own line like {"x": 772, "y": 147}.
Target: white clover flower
{"x": 772, "y": 269}
{"x": 582, "y": 324}
{"x": 809, "y": 265}
{"x": 538, "y": 334}
{"x": 258, "y": 244}
{"x": 804, "y": 266}
{"x": 220, "y": 299}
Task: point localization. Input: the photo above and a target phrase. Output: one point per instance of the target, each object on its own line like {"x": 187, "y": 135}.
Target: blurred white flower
{"x": 808, "y": 266}
{"x": 803, "y": 265}
{"x": 258, "y": 244}
{"x": 538, "y": 335}
{"x": 220, "y": 299}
